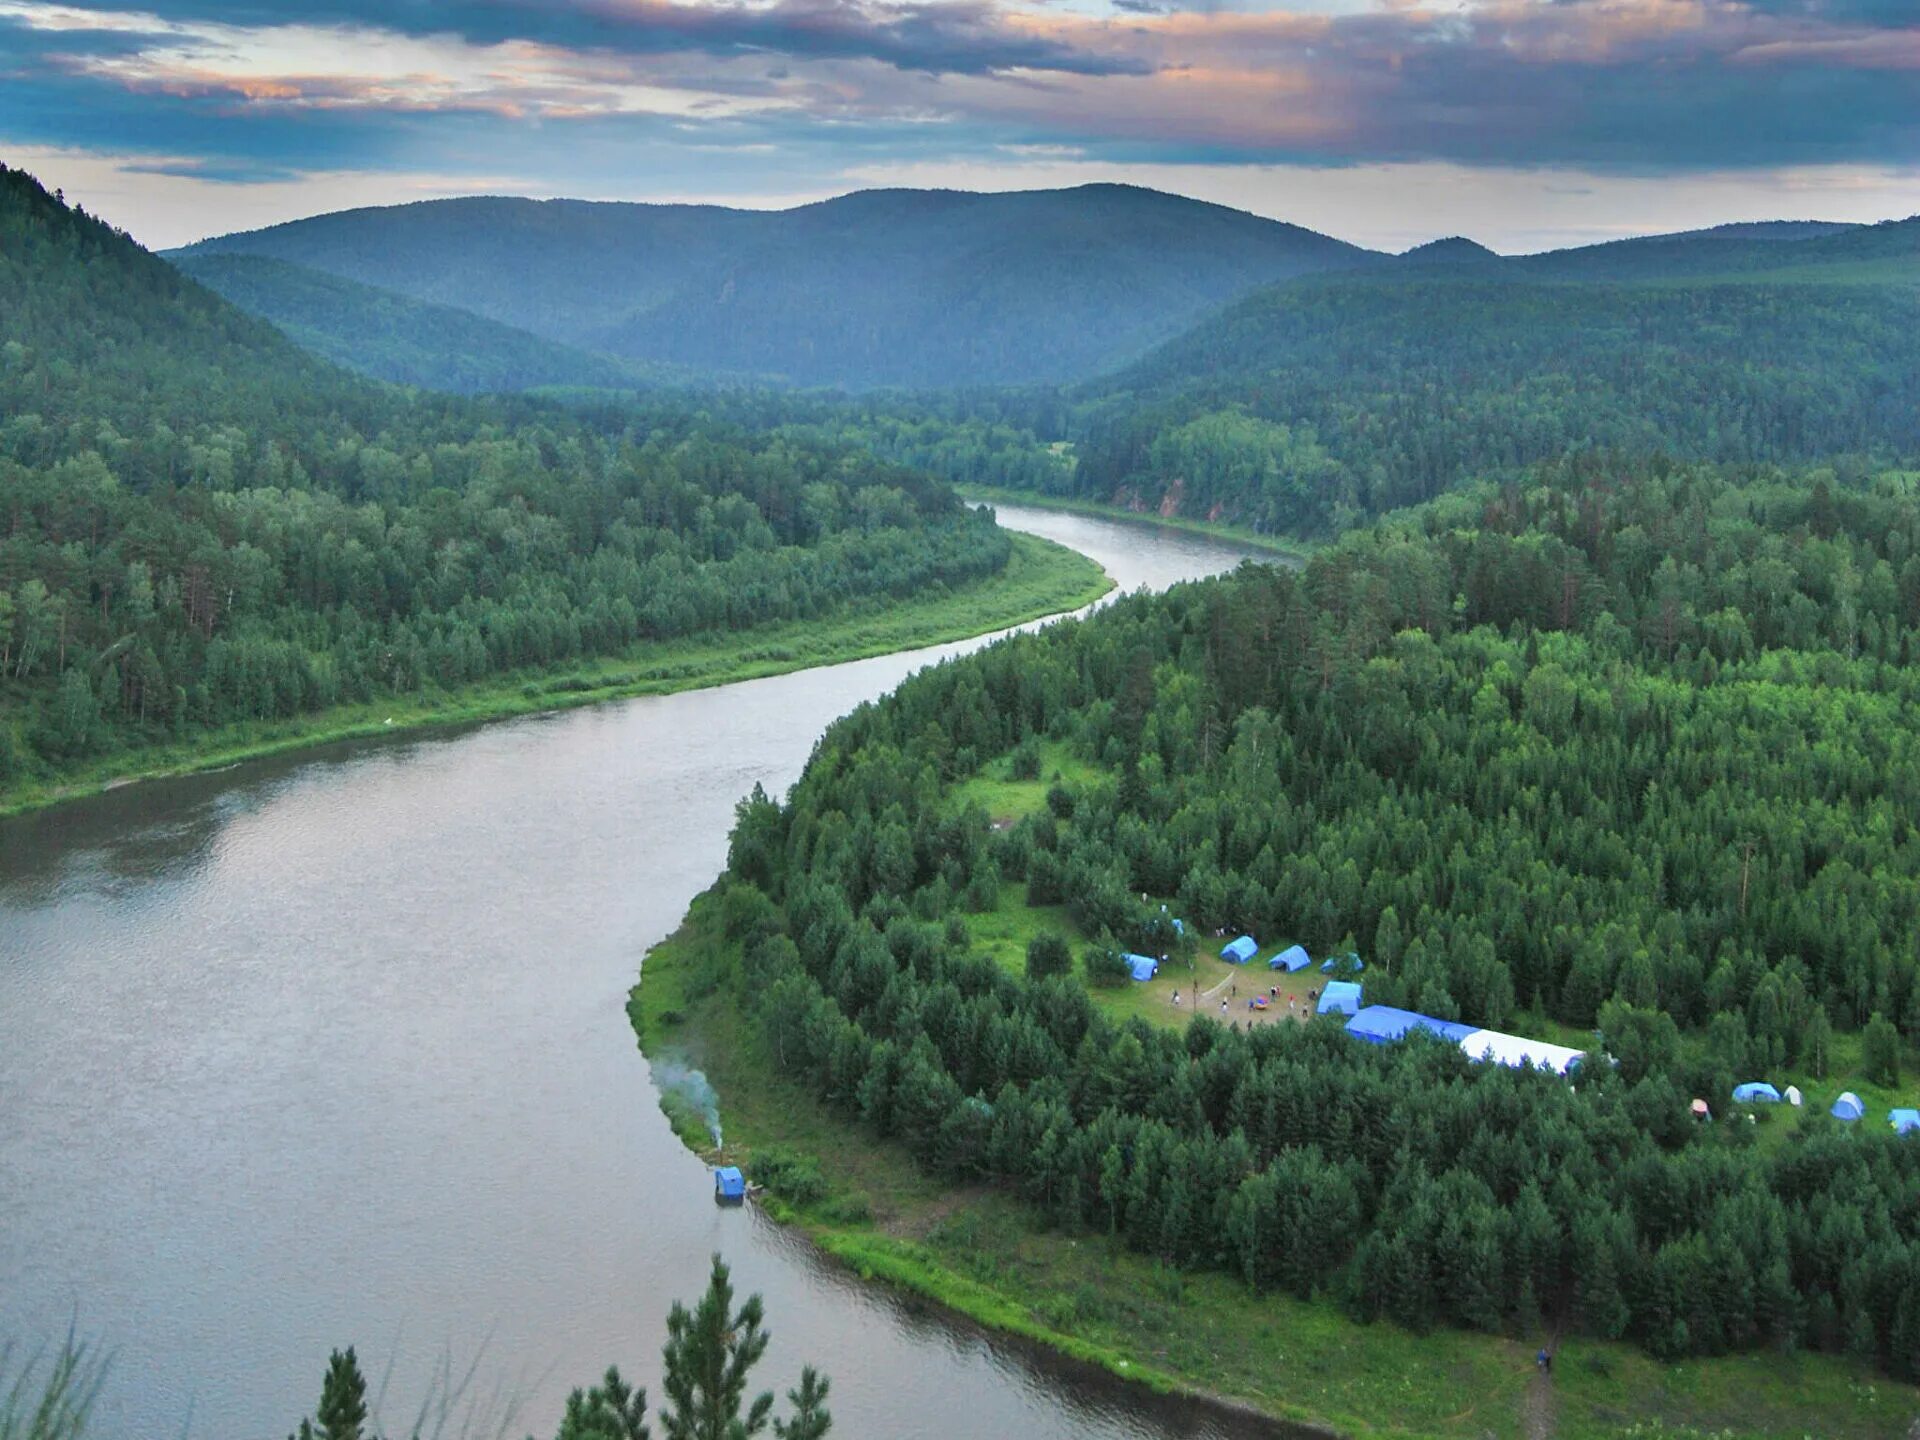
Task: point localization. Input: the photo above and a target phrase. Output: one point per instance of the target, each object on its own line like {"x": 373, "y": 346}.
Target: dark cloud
{"x": 967, "y": 37}
{"x": 1580, "y": 83}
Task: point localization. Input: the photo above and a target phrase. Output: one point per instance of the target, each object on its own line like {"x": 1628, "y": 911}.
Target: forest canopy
{"x": 199, "y": 524}
{"x": 1629, "y": 751}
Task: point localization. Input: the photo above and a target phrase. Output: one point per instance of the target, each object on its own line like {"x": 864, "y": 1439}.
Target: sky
{"x": 1526, "y": 124}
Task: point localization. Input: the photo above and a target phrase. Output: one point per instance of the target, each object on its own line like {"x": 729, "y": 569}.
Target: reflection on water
{"x": 330, "y": 1048}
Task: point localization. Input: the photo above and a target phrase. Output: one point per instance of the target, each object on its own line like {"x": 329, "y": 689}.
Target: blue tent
{"x": 1291, "y": 959}
{"x": 1905, "y": 1121}
{"x": 1848, "y": 1108}
{"x": 1144, "y": 967}
{"x": 1349, "y": 963}
{"x": 1756, "y": 1092}
{"x": 729, "y": 1183}
{"x": 1341, "y": 997}
{"x": 1382, "y": 1024}
{"x": 1240, "y": 951}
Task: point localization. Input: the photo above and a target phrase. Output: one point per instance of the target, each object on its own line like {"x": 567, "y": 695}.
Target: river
{"x": 330, "y": 1048}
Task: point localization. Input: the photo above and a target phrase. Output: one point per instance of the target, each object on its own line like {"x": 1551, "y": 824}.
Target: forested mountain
{"x": 1311, "y": 404}
{"x": 1629, "y": 749}
{"x": 201, "y": 524}
{"x": 884, "y": 287}
{"x": 392, "y": 337}
{"x": 1809, "y": 250}
{"x": 1453, "y": 250}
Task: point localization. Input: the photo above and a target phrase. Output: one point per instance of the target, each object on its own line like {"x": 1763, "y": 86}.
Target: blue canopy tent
{"x": 1292, "y": 959}
{"x": 1382, "y": 1025}
{"x": 729, "y": 1183}
{"x": 1756, "y": 1092}
{"x": 1905, "y": 1122}
{"x": 1239, "y": 952}
{"x": 1848, "y": 1108}
{"x": 1341, "y": 997}
{"x": 1144, "y": 967}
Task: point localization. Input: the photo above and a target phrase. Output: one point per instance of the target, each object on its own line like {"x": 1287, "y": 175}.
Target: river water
{"x": 330, "y": 1049}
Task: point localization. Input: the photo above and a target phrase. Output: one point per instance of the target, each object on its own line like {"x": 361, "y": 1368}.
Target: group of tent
{"x": 1848, "y": 1108}
{"x": 1383, "y": 1024}
{"x": 1293, "y": 959}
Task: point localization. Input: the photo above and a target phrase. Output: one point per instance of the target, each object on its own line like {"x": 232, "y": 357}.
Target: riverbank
{"x": 1041, "y": 578}
{"x": 1290, "y": 548}
{"x": 980, "y": 1253}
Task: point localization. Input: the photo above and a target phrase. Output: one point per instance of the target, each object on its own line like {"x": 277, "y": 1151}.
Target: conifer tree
{"x": 709, "y": 1353}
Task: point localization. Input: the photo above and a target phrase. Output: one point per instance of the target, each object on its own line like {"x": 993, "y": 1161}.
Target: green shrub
{"x": 790, "y": 1174}
{"x": 1047, "y": 954}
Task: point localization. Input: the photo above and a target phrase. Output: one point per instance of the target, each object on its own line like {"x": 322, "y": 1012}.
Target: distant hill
{"x": 394, "y": 337}
{"x": 879, "y": 288}
{"x": 1310, "y": 404}
{"x": 1817, "y": 251}
{"x": 1454, "y": 250}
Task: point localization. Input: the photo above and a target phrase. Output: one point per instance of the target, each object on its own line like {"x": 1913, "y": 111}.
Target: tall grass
{"x": 50, "y": 1395}
{"x": 46, "y": 1397}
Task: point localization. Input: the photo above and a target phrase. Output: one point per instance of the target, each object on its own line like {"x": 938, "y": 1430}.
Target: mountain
{"x": 1785, "y": 250}
{"x": 1454, "y": 250}
{"x": 878, "y": 288}
{"x": 1307, "y": 405}
{"x": 394, "y": 337}
{"x": 1764, "y": 230}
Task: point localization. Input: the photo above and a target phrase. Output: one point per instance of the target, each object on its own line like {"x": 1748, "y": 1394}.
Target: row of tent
{"x": 1293, "y": 959}
{"x": 1849, "y": 1107}
{"x": 1383, "y": 1024}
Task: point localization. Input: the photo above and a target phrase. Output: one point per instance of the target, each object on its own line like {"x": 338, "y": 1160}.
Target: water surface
{"x": 330, "y": 1048}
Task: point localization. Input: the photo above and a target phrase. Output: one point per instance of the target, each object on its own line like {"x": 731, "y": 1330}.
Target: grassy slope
{"x": 1040, "y": 579}
{"x": 1288, "y": 546}
{"x": 981, "y": 1253}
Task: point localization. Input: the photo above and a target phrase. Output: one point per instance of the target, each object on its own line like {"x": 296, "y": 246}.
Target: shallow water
{"x": 330, "y": 1048}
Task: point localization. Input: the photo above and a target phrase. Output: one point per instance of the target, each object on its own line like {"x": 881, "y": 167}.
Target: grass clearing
{"x": 983, "y": 1254}
{"x": 1040, "y": 579}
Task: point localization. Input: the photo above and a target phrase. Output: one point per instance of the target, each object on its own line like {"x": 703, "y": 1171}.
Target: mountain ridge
{"x": 885, "y": 287}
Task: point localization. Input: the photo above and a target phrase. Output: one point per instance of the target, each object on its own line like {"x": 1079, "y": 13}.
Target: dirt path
{"x": 1540, "y": 1413}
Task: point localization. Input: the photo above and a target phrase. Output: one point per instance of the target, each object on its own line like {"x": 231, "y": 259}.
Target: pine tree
{"x": 811, "y": 1419}
{"x": 1880, "y": 1051}
{"x": 343, "y": 1402}
{"x": 611, "y": 1410}
{"x": 709, "y": 1352}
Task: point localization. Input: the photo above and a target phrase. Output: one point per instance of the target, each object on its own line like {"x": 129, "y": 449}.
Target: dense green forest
{"x": 398, "y": 339}
{"x": 884, "y": 287}
{"x": 1316, "y": 405}
{"x": 1627, "y": 748}
{"x": 200, "y": 524}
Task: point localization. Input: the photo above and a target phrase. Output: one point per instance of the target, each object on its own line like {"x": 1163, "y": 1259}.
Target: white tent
{"x": 1514, "y": 1050}
{"x": 1793, "y": 1095}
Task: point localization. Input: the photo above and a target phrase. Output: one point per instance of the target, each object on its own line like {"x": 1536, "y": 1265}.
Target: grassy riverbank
{"x": 1292, "y": 549}
{"x": 981, "y": 1253}
{"x": 1040, "y": 579}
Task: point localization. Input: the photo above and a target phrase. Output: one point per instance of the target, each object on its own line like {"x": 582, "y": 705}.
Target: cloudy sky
{"x": 1525, "y": 123}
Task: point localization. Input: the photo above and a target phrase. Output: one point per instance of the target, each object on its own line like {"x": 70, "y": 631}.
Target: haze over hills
{"x": 877, "y": 288}
{"x": 396, "y": 338}
{"x": 1310, "y": 404}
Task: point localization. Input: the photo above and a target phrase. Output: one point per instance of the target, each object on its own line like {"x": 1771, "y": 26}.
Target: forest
{"x": 200, "y": 524}
{"x": 1311, "y": 406}
{"x": 1622, "y": 750}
